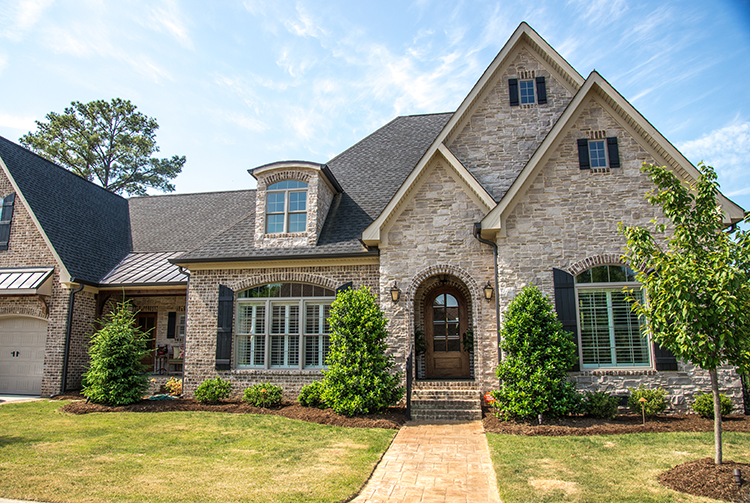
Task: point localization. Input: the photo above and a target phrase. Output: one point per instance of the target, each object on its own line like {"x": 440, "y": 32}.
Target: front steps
{"x": 446, "y": 401}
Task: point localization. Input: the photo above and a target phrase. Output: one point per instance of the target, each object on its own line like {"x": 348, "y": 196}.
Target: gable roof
{"x": 87, "y": 227}
{"x": 649, "y": 137}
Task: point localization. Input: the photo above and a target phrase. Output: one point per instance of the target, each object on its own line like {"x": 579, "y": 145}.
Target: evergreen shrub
{"x": 310, "y": 395}
{"x": 704, "y": 405}
{"x": 263, "y": 395}
{"x": 655, "y": 400}
{"x": 213, "y": 390}
{"x": 600, "y": 404}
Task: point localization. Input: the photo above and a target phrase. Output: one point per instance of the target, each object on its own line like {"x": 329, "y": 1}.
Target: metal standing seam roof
{"x": 12, "y": 281}
{"x": 146, "y": 269}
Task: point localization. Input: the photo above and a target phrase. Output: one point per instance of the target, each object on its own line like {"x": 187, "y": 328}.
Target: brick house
{"x": 445, "y": 217}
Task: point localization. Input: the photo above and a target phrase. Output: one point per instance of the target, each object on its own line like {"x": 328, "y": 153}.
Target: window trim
{"x": 287, "y": 203}
{"x": 532, "y": 83}
{"x": 606, "y": 155}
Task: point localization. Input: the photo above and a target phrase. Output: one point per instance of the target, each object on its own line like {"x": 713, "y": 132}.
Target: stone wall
{"x": 433, "y": 236}
{"x": 200, "y": 350}
{"x": 499, "y": 139}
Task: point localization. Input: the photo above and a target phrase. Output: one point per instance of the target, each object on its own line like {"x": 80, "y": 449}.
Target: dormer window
{"x": 286, "y": 207}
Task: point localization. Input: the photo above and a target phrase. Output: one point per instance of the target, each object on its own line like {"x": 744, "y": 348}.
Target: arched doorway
{"x": 446, "y": 321}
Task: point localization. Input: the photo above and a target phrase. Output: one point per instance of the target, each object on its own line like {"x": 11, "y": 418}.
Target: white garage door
{"x": 22, "y": 342}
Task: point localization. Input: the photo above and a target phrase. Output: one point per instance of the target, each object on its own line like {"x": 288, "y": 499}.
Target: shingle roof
{"x": 369, "y": 173}
{"x": 87, "y": 226}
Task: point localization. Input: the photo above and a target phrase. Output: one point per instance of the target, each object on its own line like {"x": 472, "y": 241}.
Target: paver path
{"x": 434, "y": 462}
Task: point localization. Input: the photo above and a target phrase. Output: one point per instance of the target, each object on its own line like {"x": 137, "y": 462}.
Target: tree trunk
{"x": 717, "y": 414}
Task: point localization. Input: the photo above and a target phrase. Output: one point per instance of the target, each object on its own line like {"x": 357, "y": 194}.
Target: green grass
{"x": 46, "y": 455}
{"x": 612, "y": 468}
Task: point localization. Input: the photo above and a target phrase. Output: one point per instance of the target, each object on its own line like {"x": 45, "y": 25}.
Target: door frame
{"x": 463, "y": 371}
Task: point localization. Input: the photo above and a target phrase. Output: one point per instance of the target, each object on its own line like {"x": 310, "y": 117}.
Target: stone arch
{"x": 595, "y": 260}
{"x": 437, "y": 270}
{"x": 283, "y": 277}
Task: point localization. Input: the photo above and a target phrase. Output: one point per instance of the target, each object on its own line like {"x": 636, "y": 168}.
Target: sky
{"x": 238, "y": 84}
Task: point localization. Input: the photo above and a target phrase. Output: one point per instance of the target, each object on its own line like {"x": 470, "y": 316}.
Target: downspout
{"x": 68, "y": 330}
{"x": 478, "y": 235}
{"x": 184, "y": 349}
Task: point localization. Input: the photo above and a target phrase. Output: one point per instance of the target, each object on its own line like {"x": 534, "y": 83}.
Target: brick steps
{"x": 446, "y": 401}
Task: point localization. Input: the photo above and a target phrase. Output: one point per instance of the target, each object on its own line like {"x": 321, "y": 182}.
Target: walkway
{"x": 434, "y": 462}
{"x": 16, "y": 399}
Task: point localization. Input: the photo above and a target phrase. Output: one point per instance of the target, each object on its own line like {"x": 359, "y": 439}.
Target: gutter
{"x": 187, "y": 301}
{"x": 478, "y": 235}
{"x": 68, "y": 329}
{"x": 265, "y": 258}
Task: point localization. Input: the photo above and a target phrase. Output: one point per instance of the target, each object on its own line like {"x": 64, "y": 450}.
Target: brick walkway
{"x": 434, "y": 462}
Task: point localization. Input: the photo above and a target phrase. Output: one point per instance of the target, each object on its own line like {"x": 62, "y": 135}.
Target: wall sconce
{"x": 395, "y": 292}
{"x": 488, "y": 291}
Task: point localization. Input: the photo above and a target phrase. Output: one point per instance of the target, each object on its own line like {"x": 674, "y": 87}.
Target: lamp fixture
{"x": 395, "y": 292}
{"x": 488, "y": 291}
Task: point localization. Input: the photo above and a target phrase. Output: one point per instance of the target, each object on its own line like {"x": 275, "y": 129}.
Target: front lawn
{"x": 612, "y": 468}
{"x": 46, "y": 455}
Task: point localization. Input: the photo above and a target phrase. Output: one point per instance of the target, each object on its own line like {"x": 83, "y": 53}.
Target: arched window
{"x": 286, "y": 207}
{"x": 283, "y": 325}
{"x": 610, "y": 333}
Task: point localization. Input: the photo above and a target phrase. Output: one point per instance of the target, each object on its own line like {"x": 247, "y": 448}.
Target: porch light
{"x": 488, "y": 291}
{"x": 395, "y": 292}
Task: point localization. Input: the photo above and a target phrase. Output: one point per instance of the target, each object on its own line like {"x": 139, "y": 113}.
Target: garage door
{"x": 22, "y": 342}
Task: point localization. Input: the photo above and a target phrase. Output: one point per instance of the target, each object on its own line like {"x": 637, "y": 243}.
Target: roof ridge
{"x": 190, "y": 194}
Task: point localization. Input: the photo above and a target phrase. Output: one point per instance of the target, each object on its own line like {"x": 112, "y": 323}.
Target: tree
{"x": 537, "y": 355}
{"x": 116, "y": 375}
{"x": 696, "y": 280}
{"x": 108, "y": 143}
{"x": 359, "y": 378}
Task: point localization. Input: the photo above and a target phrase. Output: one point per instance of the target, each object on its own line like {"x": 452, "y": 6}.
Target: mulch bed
{"x": 393, "y": 418}
{"x": 704, "y": 478}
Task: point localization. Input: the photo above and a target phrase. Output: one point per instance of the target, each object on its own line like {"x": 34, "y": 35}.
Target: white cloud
{"x": 598, "y": 12}
{"x": 168, "y": 18}
{"x": 13, "y": 121}
{"x": 21, "y": 17}
{"x": 244, "y": 121}
{"x": 727, "y": 150}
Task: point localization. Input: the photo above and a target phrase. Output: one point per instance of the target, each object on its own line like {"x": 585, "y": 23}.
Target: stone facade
{"x": 200, "y": 350}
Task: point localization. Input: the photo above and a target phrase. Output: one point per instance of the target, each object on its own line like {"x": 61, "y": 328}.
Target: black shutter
{"x": 224, "y": 328}
{"x": 614, "y": 152}
{"x": 171, "y": 322}
{"x": 541, "y": 91}
{"x": 583, "y": 154}
{"x": 6, "y": 216}
{"x": 565, "y": 306}
{"x": 344, "y": 287}
{"x": 664, "y": 359}
{"x": 513, "y": 88}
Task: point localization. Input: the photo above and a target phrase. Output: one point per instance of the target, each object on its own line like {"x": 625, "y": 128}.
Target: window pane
{"x": 316, "y": 350}
{"x": 439, "y": 300}
{"x": 596, "y": 154}
{"x": 274, "y": 224}
{"x": 584, "y": 277}
{"x": 450, "y": 300}
{"x": 527, "y": 91}
{"x": 617, "y": 274}
{"x": 251, "y": 350}
{"x": 453, "y": 345}
{"x": 600, "y": 274}
{"x": 275, "y": 202}
{"x": 251, "y": 319}
{"x": 284, "y": 351}
{"x": 297, "y": 201}
{"x": 297, "y": 222}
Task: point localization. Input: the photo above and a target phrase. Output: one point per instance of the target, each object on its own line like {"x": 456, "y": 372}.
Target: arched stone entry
{"x": 443, "y": 314}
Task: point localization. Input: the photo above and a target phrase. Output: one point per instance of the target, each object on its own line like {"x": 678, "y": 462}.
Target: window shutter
{"x": 171, "y": 323}
{"x": 614, "y": 152}
{"x": 541, "y": 91}
{"x": 664, "y": 359}
{"x": 565, "y": 306}
{"x": 6, "y": 216}
{"x": 224, "y": 328}
{"x": 583, "y": 154}
{"x": 344, "y": 287}
{"x": 513, "y": 89}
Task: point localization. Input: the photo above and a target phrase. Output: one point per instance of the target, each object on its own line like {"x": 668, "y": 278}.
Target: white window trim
{"x": 598, "y": 169}
{"x": 609, "y": 286}
{"x": 533, "y": 92}
{"x": 287, "y": 212}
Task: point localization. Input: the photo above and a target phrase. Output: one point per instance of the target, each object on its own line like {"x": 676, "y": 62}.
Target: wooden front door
{"x": 147, "y": 323}
{"x": 445, "y": 322}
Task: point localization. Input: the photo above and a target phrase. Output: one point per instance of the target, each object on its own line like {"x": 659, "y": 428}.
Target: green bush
{"x": 704, "y": 405}
{"x": 213, "y": 390}
{"x": 310, "y": 395}
{"x": 263, "y": 395}
{"x": 655, "y": 401}
{"x": 116, "y": 375}
{"x": 600, "y": 404}
{"x": 538, "y": 354}
{"x": 359, "y": 378}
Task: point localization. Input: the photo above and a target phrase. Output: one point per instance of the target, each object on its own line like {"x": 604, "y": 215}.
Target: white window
{"x": 610, "y": 333}
{"x": 526, "y": 88}
{"x": 597, "y": 154}
{"x": 181, "y": 327}
{"x": 286, "y": 207}
{"x": 283, "y": 325}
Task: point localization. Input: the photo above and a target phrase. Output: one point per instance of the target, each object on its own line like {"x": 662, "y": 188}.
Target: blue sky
{"x": 237, "y": 84}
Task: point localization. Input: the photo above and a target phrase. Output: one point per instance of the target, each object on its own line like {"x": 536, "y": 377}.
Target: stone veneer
{"x": 200, "y": 350}
{"x": 568, "y": 220}
{"x": 498, "y": 139}
{"x": 433, "y": 237}
{"x": 319, "y": 199}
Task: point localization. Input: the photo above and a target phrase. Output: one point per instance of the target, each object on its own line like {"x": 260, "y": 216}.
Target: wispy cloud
{"x": 25, "y": 123}
{"x": 20, "y": 17}
{"x": 600, "y": 12}
{"x": 168, "y": 18}
{"x": 727, "y": 149}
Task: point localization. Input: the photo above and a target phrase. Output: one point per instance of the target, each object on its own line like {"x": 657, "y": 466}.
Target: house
{"x": 445, "y": 217}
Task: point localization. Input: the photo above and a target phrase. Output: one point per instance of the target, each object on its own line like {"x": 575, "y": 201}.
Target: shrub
{"x": 600, "y": 404}
{"x": 655, "y": 401}
{"x": 116, "y": 375}
{"x": 704, "y": 405}
{"x": 213, "y": 390}
{"x": 538, "y": 354}
{"x": 174, "y": 386}
{"x": 310, "y": 395}
{"x": 359, "y": 378}
{"x": 263, "y": 395}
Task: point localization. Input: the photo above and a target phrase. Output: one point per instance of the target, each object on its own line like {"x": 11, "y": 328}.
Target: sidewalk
{"x": 434, "y": 462}
{"x": 16, "y": 399}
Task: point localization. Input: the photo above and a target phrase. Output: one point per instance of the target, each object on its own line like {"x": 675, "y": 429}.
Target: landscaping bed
{"x": 703, "y": 478}
{"x": 393, "y": 418}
